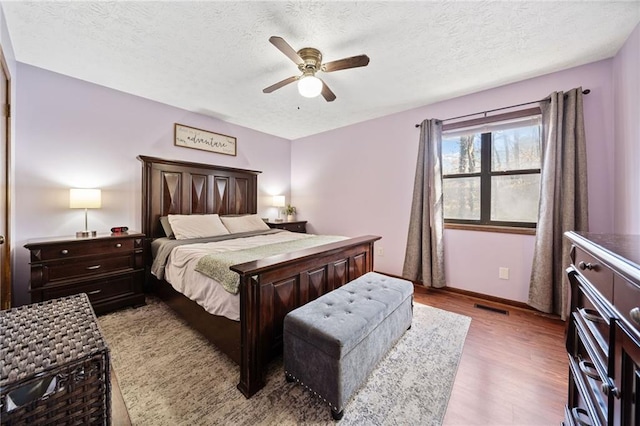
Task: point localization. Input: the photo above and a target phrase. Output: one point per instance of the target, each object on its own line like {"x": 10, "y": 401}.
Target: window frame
{"x": 486, "y": 173}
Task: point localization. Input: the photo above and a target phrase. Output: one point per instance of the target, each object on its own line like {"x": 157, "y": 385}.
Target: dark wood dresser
{"x": 293, "y": 226}
{"x": 603, "y": 331}
{"x": 109, "y": 268}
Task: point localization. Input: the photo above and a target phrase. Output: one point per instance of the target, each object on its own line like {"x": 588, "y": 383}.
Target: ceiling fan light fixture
{"x": 309, "y": 61}
{"x": 309, "y": 86}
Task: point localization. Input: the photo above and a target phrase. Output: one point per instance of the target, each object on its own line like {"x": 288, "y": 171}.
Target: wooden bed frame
{"x": 269, "y": 288}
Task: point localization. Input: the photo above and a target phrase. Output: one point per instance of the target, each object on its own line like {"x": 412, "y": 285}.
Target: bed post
{"x": 252, "y": 350}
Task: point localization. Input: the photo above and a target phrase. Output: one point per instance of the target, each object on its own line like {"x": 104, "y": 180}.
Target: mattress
{"x": 179, "y": 269}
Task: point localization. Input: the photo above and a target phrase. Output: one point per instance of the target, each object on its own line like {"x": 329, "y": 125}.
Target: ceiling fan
{"x": 309, "y": 61}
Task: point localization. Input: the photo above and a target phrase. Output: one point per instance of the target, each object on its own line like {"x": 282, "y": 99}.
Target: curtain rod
{"x": 584, "y": 92}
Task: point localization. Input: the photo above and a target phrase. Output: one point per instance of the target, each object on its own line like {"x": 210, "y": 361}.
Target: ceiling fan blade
{"x": 284, "y": 47}
{"x": 327, "y": 94}
{"x": 342, "y": 64}
{"x": 280, "y": 84}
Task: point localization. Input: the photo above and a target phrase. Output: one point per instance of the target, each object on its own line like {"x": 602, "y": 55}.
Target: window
{"x": 491, "y": 173}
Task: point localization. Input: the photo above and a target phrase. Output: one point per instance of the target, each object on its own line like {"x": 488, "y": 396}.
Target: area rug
{"x": 170, "y": 375}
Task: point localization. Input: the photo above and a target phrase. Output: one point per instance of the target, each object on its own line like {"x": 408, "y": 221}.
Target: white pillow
{"x": 196, "y": 226}
{"x": 247, "y": 223}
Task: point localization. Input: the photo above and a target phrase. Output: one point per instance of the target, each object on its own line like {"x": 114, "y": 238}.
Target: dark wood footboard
{"x": 272, "y": 287}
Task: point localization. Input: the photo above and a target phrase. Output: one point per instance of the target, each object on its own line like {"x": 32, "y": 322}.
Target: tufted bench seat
{"x": 332, "y": 344}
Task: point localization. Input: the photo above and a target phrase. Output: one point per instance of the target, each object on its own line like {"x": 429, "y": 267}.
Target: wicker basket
{"x": 54, "y": 365}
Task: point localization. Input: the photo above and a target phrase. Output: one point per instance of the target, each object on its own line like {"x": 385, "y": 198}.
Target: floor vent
{"x": 492, "y": 309}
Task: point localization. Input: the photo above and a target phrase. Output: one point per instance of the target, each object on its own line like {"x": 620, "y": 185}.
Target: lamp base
{"x": 86, "y": 234}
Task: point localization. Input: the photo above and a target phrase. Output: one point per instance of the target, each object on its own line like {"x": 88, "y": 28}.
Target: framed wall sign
{"x": 190, "y": 137}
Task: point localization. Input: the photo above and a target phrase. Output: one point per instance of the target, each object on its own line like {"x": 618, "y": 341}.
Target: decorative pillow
{"x": 196, "y": 226}
{"x": 247, "y": 223}
{"x": 166, "y": 226}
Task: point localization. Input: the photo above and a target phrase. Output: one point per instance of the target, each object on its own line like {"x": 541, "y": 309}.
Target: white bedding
{"x": 208, "y": 293}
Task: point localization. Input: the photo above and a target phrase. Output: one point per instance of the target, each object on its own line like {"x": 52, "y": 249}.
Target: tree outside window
{"x": 491, "y": 175}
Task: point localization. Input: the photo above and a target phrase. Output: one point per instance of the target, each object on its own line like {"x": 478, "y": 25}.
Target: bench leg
{"x": 336, "y": 415}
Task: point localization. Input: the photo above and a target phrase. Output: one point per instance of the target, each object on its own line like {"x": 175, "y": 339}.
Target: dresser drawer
{"x": 580, "y": 410}
{"x": 626, "y": 297}
{"x": 109, "y": 268}
{"x": 75, "y": 248}
{"x": 299, "y": 226}
{"x": 86, "y": 267}
{"x": 592, "y": 374}
{"x": 97, "y": 290}
{"x": 598, "y": 274}
{"x": 592, "y": 317}
{"x": 296, "y": 227}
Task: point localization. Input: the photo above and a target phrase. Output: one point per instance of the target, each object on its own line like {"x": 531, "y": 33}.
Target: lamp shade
{"x": 278, "y": 200}
{"x": 309, "y": 86}
{"x": 85, "y": 198}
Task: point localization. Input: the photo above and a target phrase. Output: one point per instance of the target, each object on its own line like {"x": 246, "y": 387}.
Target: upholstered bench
{"x": 332, "y": 344}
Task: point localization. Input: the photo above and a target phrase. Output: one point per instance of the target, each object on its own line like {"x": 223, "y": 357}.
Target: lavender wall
{"x": 70, "y": 133}
{"x": 359, "y": 179}
{"x": 351, "y": 181}
{"x": 626, "y": 82}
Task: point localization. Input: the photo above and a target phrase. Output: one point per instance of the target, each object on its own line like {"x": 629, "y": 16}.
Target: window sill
{"x": 489, "y": 228}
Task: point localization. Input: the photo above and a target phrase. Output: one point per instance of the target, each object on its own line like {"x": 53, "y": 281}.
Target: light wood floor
{"x": 119, "y": 413}
{"x": 513, "y": 369}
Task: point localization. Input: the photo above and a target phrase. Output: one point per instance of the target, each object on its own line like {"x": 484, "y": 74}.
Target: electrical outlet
{"x": 503, "y": 273}
{"x": 380, "y": 251}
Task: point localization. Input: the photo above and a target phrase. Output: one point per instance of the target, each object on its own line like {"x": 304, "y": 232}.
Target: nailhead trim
{"x": 311, "y": 390}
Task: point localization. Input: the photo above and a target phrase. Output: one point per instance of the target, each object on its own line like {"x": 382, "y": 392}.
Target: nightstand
{"x": 109, "y": 268}
{"x": 296, "y": 226}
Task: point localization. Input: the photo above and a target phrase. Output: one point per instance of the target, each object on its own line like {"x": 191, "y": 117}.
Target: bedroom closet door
{"x": 5, "y": 161}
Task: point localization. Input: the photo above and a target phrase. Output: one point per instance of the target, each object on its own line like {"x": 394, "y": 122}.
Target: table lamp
{"x": 85, "y": 199}
{"x": 278, "y": 201}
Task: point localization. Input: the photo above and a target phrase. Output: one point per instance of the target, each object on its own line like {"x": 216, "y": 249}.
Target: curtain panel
{"x": 563, "y": 199}
{"x": 424, "y": 256}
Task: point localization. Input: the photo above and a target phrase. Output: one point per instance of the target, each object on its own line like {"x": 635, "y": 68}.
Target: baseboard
{"x": 419, "y": 288}
{"x": 481, "y": 296}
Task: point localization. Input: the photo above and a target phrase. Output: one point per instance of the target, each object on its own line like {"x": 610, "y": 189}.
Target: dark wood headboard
{"x": 181, "y": 187}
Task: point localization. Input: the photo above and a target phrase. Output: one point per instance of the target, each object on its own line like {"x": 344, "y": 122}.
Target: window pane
{"x": 461, "y": 198}
{"x": 515, "y": 198}
{"x": 516, "y": 149}
{"x": 461, "y": 154}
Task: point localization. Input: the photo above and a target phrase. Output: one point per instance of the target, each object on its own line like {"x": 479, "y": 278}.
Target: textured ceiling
{"x": 214, "y": 58}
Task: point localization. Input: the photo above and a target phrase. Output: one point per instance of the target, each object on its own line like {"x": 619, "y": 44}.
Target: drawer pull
{"x": 610, "y": 389}
{"x": 92, "y": 268}
{"x": 94, "y": 292}
{"x": 118, "y": 245}
{"x": 65, "y": 251}
{"x": 579, "y": 414}
{"x": 635, "y": 315}
{"x": 590, "y": 315}
{"x": 590, "y": 266}
{"x": 589, "y": 370}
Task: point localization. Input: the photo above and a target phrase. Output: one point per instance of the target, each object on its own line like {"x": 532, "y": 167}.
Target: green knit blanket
{"x": 217, "y": 265}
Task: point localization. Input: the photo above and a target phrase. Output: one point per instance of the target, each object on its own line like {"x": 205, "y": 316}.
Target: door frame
{"x": 6, "y": 293}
